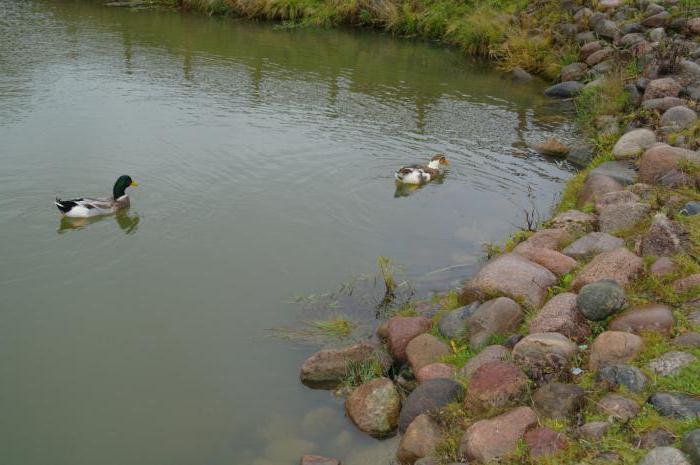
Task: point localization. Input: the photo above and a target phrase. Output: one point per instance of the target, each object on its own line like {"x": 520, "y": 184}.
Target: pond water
{"x": 265, "y": 158}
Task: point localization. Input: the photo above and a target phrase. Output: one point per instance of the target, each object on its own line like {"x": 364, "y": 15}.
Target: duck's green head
{"x": 120, "y": 186}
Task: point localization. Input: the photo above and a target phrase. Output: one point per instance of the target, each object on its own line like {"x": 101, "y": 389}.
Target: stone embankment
{"x": 580, "y": 341}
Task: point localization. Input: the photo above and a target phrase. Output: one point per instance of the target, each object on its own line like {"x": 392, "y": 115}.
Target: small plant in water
{"x": 359, "y": 372}
{"x": 316, "y": 331}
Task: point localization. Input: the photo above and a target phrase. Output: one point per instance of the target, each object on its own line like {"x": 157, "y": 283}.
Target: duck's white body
{"x": 420, "y": 174}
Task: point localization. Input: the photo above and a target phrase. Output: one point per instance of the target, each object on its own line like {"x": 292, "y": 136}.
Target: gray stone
{"x": 496, "y": 316}
{"x": 622, "y": 171}
{"x": 664, "y": 456}
{"x": 690, "y": 208}
{"x": 662, "y": 238}
{"x": 620, "y": 217}
{"x": 600, "y": 299}
{"x": 690, "y": 339}
{"x": 520, "y": 75}
{"x": 657, "y": 34}
{"x": 662, "y": 104}
{"x": 580, "y": 155}
{"x": 573, "y": 72}
{"x": 631, "y": 39}
{"x": 675, "y": 404}
{"x": 620, "y": 408}
{"x": 691, "y": 446}
{"x": 678, "y": 118}
{"x": 429, "y": 397}
{"x": 607, "y": 29}
{"x": 568, "y": 89}
{"x": 545, "y": 356}
{"x": 620, "y": 374}
{"x": 630, "y": 28}
{"x": 671, "y": 363}
{"x": 592, "y": 244}
{"x": 558, "y": 400}
{"x": 634, "y": 143}
{"x": 655, "y": 438}
{"x": 453, "y": 324}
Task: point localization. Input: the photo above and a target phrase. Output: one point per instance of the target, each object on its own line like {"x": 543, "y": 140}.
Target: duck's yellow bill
{"x": 134, "y": 184}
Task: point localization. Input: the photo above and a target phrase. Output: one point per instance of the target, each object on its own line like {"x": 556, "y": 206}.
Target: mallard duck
{"x": 85, "y": 207}
{"x": 419, "y": 174}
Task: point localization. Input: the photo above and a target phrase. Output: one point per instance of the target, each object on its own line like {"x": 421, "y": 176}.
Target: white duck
{"x": 420, "y": 174}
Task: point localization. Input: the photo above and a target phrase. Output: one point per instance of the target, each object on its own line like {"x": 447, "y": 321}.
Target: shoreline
{"x": 589, "y": 351}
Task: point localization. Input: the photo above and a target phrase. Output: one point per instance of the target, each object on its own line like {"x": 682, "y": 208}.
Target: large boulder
{"x": 497, "y": 437}
{"x": 567, "y": 89}
{"x": 600, "y": 299}
{"x": 495, "y": 385}
{"x": 327, "y": 369}
{"x": 544, "y": 441}
{"x": 435, "y": 371}
{"x": 678, "y": 118}
{"x": 419, "y": 441}
{"x": 488, "y": 354}
{"x": 634, "y": 143}
{"x": 614, "y": 347}
{"x": 655, "y": 318}
{"x": 544, "y": 356}
{"x": 574, "y": 221}
{"x": 620, "y": 265}
{"x": 664, "y": 87}
{"x": 618, "y": 217}
{"x": 526, "y": 280}
{"x": 425, "y": 349}
{"x": 496, "y": 316}
{"x": 664, "y": 456}
{"x": 662, "y": 159}
{"x": 592, "y": 244}
{"x": 595, "y": 186}
{"x": 619, "y": 407}
{"x": 619, "y": 374}
{"x": 453, "y": 324}
{"x": 561, "y": 315}
{"x": 664, "y": 237}
{"x": 552, "y": 238}
{"x": 676, "y": 405}
{"x": 401, "y": 330}
{"x": 429, "y": 397}
{"x": 558, "y": 400}
{"x": 374, "y": 407}
{"x": 691, "y": 446}
{"x": 554, "y": 261}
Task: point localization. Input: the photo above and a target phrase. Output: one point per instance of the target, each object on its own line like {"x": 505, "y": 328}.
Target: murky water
{"x": 265, "y": 159}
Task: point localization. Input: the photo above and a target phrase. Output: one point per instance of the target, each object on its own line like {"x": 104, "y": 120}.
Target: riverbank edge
{"x": 594, "y": 383}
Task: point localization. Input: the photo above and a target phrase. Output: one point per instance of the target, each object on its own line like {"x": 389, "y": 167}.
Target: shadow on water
{"x": 128, "y": 223}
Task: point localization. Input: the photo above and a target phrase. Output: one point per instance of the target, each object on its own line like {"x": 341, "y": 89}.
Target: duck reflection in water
{"x": 404, "y": 190}
{"x": 127, "y": 222}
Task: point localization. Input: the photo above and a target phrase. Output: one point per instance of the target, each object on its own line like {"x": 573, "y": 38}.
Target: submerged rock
{"x": 568, "y": 89}
{"x": 326, "y": 369}
{"x": 552, "y": 148}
